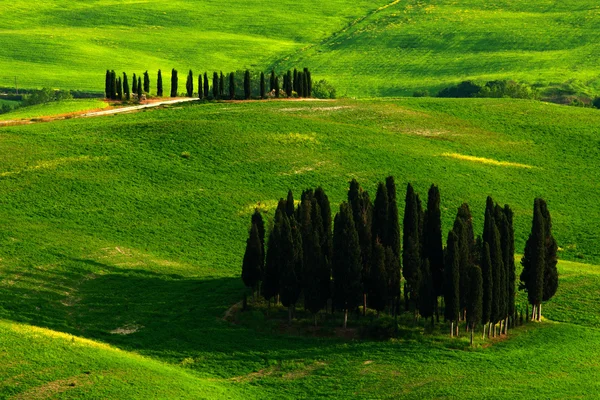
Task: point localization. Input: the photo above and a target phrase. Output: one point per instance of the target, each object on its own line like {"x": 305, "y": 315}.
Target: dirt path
{"x": 137, "y": 108}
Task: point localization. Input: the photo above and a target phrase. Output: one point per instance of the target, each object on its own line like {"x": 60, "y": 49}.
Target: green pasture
{"x": 53, "y": 109}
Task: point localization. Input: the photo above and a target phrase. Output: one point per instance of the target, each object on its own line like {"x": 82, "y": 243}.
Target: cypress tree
{"x": 257, "y": 220}
{"x": 314, "y": 279}
{"x": 550, "y": 256}
{"x": 411, "y": 253}
{"x": 277, "y": 87}
{"x": 502, "y": 225}
{"x": 139, "y": 88}
{"x": 247, "y": 85}
{"x": 289, "y": 284}
{"x": 272, "y": 81}
{"x": 253, "y": 258}
{"x": 189, "y": 85}
{"x": 474, "y": 298}
{"x": 534, "y": 261}
{"x": 392, "y": 270}
{"x": 221, "y": 85}
{"x": 126, "y": 87}
{"x": 215, "y": 85}
{"x": 323, "y": 239}
{"x": 289, "y": 87}
{"x": 159, "y": 84}
{"x": 146, "y": 82}
{"x": 113, "y": 85}
{"x": 289, "y": 204}
{"x": 200, "y": 91}
{"x": 378, "y": 281}
{"x": 463, "y": 261}
{"x": 346, "y": 262}
{"x": 510, "y": 260}
{"x": 174, "y": 83}
{"x": 107, "y": 84}
{"x": 232, "y": 86}
{"x": 393, "y": 224}
{"x": 432, "y": 239}
{"x": 119, "y": 89}
{"x": 273, "y": 260}
{"x": 309, "y": 83}
{"x": 488, "y": 284}
{"x": 305, "y": 91}
{"x": 206, "y": 85}
{"x": 426, "y": 292}
{"x": 300, "y": 84}
{"x": 451, "y": 280}
{"x": 262, "y": 85}
{"x": 327, "y": 237}
{"x": 295, "y": 83}
{"x": 380, "y": 214}
{"x": 499, "y": 285}
{"x": 134, "y": 87}
{"x": 464, "y": 213}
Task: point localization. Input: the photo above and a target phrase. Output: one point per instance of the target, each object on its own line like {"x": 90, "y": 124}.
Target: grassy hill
{"x": 110, "y": 235}
{"x": 382, "y": 48}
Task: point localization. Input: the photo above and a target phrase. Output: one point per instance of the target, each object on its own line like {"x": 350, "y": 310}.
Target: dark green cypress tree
{"x": 253, "y": 258}
{"x": 327, "y": 237}
{"x": 289, "y": 284}
{"x": 452, "y": 280}
{"x": 215, "y": 85}
{"x": 200, "y": 91}
{"x": 273, "y": 262}
{"x": 488, "y": 284}
{"x": 221, "y": 85}
{"x": 126, "y": 87}
{"x": 119, "y": 89}
{"x": 285, "y": 83}
{"x": 189, "y": 85}
{"x": 309, "y": 83}
{"x": 146, "y": 82}
{"x": 380, "y": 214}
{"x": 411, "y": 253}
{"x": 134, "y": 87}
{"x": 113, "y": 85}
{"x": 489, "y": 218}
{"x": 393, "y": 273}
{"x": 474, "y": 298}
{"x": 206, "y": 85}
{"x": 502, "y": 225}
{"x": 426, "y": 293}
{"x": 464, "y": 213}
{"x": 323, "y": 239}
{"x": 550, "y": 256}
{"x": 305, "y": 91}
{"x": 499, "y": 285}
{"x": 272, "y": 81}
{"x": 315, "y": 280}
{"x": 289, "y": 87}
{"x": 295, "y": 83}
{"x": 346, "y": 262}
{"x": 510, "y": 260}
{"x": 301, "y": 84}
{"x": 534, "y": 261}
{"x": 463, "y": 261}
{"x": 257, "y": 220}
{"x": 378, "y": 295}
{"x": 159, "y": 84}
{"x": 289, "y": 204}
{"x": 232, "y": 86}
{"x": 107, "y": 90}
{"x": 247, "y": 85}
{"x": 139, "y": 89}
{"x": 174, "y": 83}
{"x": 432, "y": 239}
{"x": 393, "y": 223}
{"x": 262, "y": 85}
{"x": 277, "y": 90}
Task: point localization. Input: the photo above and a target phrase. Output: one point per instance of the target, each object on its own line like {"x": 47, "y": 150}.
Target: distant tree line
{"x": 234, "y": 85}
{"x": 491, "y": 89}
{"x": 355, "y": 260}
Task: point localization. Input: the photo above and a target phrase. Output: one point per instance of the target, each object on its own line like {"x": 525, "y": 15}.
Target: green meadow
{"x": 119, "y": 258}
{"x": 54, "y": 109}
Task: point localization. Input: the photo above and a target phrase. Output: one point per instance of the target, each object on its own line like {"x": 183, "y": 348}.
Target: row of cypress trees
{"x": 360, "y": 262}
{"x": 299, "y": 82}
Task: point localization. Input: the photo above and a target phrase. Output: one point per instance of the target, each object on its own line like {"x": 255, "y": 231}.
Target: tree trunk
{"x": 452, "y": 329}
{"x": 533, "y": 312}
{"x": 471, "y": 337}
{"x": 483, "y": 336}
{"x": 501, "y": 328}
{"x": 457, "y": 328}
{"x": 364, "y": 304}
{"x": 540, "y": 312}
{"x": 345, "y": 318}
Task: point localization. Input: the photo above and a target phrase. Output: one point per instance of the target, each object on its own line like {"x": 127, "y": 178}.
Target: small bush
{"x": 323, "y": 90}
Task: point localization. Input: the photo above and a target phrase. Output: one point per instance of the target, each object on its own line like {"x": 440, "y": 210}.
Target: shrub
{"x": 323, "y": 90}
{"x": 46, "y": 95}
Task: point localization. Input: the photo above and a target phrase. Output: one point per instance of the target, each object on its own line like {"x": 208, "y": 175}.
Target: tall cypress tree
{"x": 426, "y": 292}
{"x": 474, "y": 298}
{"x": 289, "y": 87}
{"x": 272, "y": 81}
{"x": 159, "y": 84}
{"x": 134, "y": 87}
{"x": 327, "y": 237}
{"x": 380, "y": 214}
{"x": 309, "y": 83}
{"x": 463, "y": 261}
{"x": 499, "y": 285}
{"x": 315, "y": 299}
{"x": 305, "y": 91}
{"x": 126, "y": 87}
{"x": 262, "y": 85}
{"x": 510, "y": 260}
{"x": 378, "y": 281}
{"x": 232, "y": 86}
{"x": 247, "y": 85}
{"x": 346, "y": 262}
{"x": 411, "y": 252}
{"x": 119, "y": 89}
{"x": 146, "y": 82}
{"x": 488, "y": 284}
{"x": 189, "y": 85}
{"x": 393, "y": 273}
{"x": 464, "y": 213}
{"x": 295, "y": 83}
{"x": 393, "y": 224}
{"x": 362, "y": 213}
{"x": 289, "y": 283}
{"x": 215, "y": 85}
{"x": 174, "y": 83}
{"x": 253, "y": 258}
{"x": 432, "y": 239}
{"x": 300, "y": 84}
{"x": 113, "y": 85}
{"x": 206, "y": 85}
{"x": 257, "y": 220}
{"x": 200, "y": 91}
{"x": 139, "y": 89}
{"x": 277, "y": 90}
{"x": 452, "y": 280}
{"x": 289, "y": 204}
{"x": 550, "y": 256}
{"x": 273, "y": 262}
{"x": 221, "y": 85}
{"x": 107, "y": 84}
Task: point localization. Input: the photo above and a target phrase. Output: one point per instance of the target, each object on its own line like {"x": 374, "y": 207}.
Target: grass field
{"x": 108, "y": 234}
{"x": 382, "y": 48}
{"x": 54, "y": 108}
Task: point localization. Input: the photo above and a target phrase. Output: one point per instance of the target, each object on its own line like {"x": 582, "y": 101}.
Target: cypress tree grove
{"x": 159, "y": 84}
{"x": 488, "y": 285}
{"x": 215, "y": 85}
{"x": 252, "y": 266}
{"x": 426, "y": 293}
{"x": 206, "y": 86}
{"x": 380, "y": 214}
{"x": 272, "y": 81}
{"x": 262, "y": 85}
{"x": 221, "y": 85}
{"x": 550, "y": 256}
{"x": 126, "y": 87}
{"x": 452, "y": 281}
{"x": 200, "y": 91}
{"x": 432, "y": 239}
{"x": 247, "y": 85}
{"x": 174, "y": 83}
{"x": 232, "y": 86}
{"x": 189, "y": 85}
{"x": 393, "y": 224}
{"x": 346, "y": 262}
{"x": 378, "y": 280}
{"x": 277, "y": 90}
{"x": 139, "y": 88}
{"x": 134, "y": 87}
{"x": 146, "y": 82}
{"x": 474, "y": 298}
{"x": 411, "y": 252}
